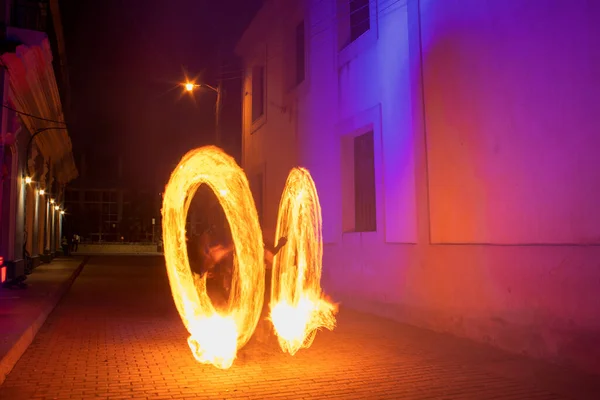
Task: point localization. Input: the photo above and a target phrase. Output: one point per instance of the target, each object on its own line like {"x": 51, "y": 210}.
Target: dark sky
{"x": 126, "y": 58}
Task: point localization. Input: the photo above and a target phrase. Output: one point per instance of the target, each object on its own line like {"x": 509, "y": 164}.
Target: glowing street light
{"x": 190, "y": 86}
{"x": 62, "y": 212}
{"x": 56, "y": 208}
{"x": 51, "y": 201}
{"x": 28, "y": 180}
{"x": 42, "y": 192}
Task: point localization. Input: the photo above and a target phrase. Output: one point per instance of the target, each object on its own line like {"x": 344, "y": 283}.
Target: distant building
{"x": 35, "y": 157}
{"x": 95, "y": 204}
{"x": 102, "y": 208}
{"x": 454, "y": 145}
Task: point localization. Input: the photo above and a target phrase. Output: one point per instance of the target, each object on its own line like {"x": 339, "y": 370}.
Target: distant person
{"x": 223, "y": 255}
{"x": 218, "y": 252}
{"x": 75, "y": 242}
{"x": 198, "y": 254}
{"x": 65, "y": 246}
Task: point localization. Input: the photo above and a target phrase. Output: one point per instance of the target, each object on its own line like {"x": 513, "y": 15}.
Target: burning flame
{"x": 298, "y": 307}
{"x": 214, "y": 338}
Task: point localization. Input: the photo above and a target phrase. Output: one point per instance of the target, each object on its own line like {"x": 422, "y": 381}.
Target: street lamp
{"x": 28, "y": 180}
{"x": 191, "y": 86}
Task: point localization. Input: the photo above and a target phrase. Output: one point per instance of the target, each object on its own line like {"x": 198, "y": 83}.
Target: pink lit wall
{"x": 487, "y": 175}
{"x": 511, "y": 112}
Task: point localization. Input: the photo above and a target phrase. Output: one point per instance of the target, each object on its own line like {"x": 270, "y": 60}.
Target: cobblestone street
{"x": 117, "y": 335}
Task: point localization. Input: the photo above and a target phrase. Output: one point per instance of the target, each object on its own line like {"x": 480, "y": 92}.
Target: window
{"x": 70, "y": 196}
{"x": 258, "y": 92}
{"x": 354, "y": 21}
{"x": 360, "y": 20}
{"x": 300, "y": 53}
{"x": 28, "y": 14}
{"x": 364, "y": 184}
{"x": 93, "y": 196}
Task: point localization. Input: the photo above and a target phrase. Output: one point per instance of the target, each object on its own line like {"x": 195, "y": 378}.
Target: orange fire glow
{"x": 298, "y": 307}
{"x": 215, "y": 337}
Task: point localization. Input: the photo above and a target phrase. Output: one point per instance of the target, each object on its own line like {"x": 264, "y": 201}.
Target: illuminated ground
{"x": 117, "y": 335}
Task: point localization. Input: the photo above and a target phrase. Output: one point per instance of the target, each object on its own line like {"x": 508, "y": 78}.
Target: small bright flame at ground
{"x": 298, "y": 307}
{"x": 214, "y": 338}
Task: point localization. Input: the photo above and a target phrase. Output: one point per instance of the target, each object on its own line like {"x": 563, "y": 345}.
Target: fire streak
{"x": 214, "y": 338}
{"x": 298, "y": 307}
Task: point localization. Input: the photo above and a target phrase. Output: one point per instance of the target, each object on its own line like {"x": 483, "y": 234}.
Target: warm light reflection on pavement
{"x": 116, "y": 334}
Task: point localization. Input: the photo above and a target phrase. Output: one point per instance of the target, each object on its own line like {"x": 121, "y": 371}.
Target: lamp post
{"x": 52, "y": 237}
{"x": 34, "y": 135}
{"x": 191, "y": 86}
{"x": 58, "y": 230}
{"x": 26, "y": 183}
{"x": 61, "y": 216}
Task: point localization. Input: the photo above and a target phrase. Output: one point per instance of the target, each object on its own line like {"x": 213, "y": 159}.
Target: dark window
{"x": 364, "y": 184}
{"x": 258, "y": 92}
{"x": 70, "y": 196}
{"x": 360, "y": 20}
{"x": 30, "y": 14}
{"x": 300, "y": 53}
{"x": 93, "y": 196}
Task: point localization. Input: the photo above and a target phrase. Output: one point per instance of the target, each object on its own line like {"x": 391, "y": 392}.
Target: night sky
{"x": 125, "y": 64}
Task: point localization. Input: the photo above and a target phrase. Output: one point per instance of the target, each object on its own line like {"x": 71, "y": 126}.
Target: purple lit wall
{"x": 484, "y": 115}
{"x": 511, "y": 105}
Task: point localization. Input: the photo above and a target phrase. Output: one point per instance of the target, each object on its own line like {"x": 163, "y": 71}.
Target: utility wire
{"x": 2, "y": 64}
{"x": 33, "y": 116}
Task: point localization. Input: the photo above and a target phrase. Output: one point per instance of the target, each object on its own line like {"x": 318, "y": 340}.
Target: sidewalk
{"x": 23, "y": 311}
{"x": 139, "y": 253}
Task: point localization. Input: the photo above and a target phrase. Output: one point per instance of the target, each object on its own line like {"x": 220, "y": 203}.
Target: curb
{"x": 11, "y": 358}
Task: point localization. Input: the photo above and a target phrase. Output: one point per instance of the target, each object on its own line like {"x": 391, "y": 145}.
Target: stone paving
{"x": 23, "y": 311}
{"x": 117, "y": 335}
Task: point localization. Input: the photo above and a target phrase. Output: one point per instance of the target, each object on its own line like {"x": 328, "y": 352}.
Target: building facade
{"x": 102, "y": 207}
{"x": 36, "y": 155}
{"x": 454, "y": 148}
{"x": 97, "y": 200}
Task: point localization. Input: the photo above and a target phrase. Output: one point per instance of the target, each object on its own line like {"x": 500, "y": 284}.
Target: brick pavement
{"x": 23, "y": 311}
{"x": 117, "y": 335}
